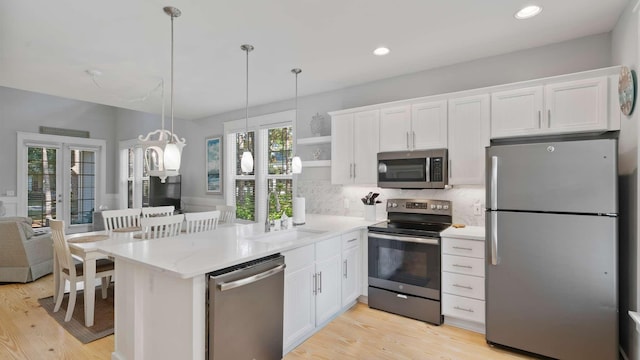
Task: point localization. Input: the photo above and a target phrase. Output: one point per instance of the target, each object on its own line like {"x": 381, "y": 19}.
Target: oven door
{"x": 405, "y": 264}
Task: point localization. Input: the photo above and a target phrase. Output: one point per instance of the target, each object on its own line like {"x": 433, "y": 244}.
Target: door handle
{"x": 413, "y": 139}
{"x": 320, "y": 282}
{"x": 494, "y": 183}
{"x": 401, "y": 296}
{"x": 428, "y": 169}
{"x": 251, "y": 279}
{"x": 315, "y": 283}
{"x": 494, "y": 238}
{"x": 450, "y": 171}
{"x": 549, "y": 118}
{"x": 354, "y": 170}
{"x": 539, "y": 119}
{"x": 345, "y": 268}
{"x": 408, "y": 147}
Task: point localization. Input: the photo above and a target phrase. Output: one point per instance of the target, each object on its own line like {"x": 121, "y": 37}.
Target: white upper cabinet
{"x": 577, "y": 105}
{"x": 429, "y": 125}
{"x": 414, "y": 127}
{"x": 555, "y": 108}
{"x": 468, "y": 136}
{"x": 516, "y": 112}
{"x": 354, "y": 147}
{"x": 395, "y": 125}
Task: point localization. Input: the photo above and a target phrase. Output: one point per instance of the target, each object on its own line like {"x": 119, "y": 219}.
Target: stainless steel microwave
{"x": 421, "y": 169}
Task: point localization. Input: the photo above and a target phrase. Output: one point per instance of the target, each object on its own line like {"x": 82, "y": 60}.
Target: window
{"x": 270, "y": 140}
{"x": 134, "y": 180}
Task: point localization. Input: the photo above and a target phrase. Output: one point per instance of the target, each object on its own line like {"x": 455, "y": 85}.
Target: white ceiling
{"x": 47, "y": 46}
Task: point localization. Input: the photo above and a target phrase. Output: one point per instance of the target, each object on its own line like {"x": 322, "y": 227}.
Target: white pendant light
{"x": 246, "y": 163}
{"x": 164, "y": 152}
{"x": 296, "y": 162}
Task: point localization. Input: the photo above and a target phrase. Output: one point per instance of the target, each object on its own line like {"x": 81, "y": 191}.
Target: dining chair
{"x": 158, "y": 211}
{"x": 161, "y": 226}
{"x": 121, "y": 219}
{"x": 201, "y": 221}
{"x": 227, "y": 213}
{"x": 72, "y": 271}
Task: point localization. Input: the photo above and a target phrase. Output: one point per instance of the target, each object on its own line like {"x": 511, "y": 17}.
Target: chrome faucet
{"x": 267, "y": 223}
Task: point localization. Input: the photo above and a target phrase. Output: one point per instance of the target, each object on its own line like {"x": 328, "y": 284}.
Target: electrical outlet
{"x": 477, "y": 209}
{"x": 346, "y": 203}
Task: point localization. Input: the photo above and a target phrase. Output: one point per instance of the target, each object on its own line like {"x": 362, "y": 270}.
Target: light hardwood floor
{"x": 27, "y": 332}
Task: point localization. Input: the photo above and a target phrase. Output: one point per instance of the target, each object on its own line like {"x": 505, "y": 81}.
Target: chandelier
{"x": 163, "y": 148}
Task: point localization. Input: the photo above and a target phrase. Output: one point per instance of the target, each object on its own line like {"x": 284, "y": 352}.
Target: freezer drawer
{"x": 569, "y": 176}
{"x": 551, "y": 284}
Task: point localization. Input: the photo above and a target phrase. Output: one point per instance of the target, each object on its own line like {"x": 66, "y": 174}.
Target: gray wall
{"x": 624, "y": 47}
{"x": 26, "y": 111}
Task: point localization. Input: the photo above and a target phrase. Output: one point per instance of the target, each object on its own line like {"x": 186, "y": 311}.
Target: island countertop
{"x": 196, "y": 254}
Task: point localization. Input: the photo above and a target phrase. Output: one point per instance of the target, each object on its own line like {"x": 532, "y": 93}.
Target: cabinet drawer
{"x": 463, "y": 308}
{"x": 350, "y": 240}
{"x": 464, "y": 285}
{"x": 299, "y": 258}
{"x": 463, "y": 247}
{"x": 463, "y": 265}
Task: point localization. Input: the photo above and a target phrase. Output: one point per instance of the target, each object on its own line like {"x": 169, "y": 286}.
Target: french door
{"x": 60, "y": 178}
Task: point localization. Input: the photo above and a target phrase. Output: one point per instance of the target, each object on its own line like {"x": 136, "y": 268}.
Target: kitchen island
{"x": 160, "y": 310}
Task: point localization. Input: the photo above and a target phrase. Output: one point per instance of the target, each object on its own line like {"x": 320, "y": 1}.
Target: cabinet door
{"x": 299, "y": 304}
{"x": 342, "y": 149}
{"x": 365, "y": 147}
{"x": 468, "y": 136}
{"x": 328, "y": 300}
{"x": 428, "y": 125}
{"x": 577, "y": 105}
{"x": 395, "y": 124}
{"x": 516, "y": 112}
{"x": 350, "y": 275}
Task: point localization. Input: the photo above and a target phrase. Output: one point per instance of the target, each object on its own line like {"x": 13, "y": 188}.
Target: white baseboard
{"x": 465, "y": 324}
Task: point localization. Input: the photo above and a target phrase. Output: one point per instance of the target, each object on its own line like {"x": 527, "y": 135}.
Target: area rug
{"x": 103, "y": 316}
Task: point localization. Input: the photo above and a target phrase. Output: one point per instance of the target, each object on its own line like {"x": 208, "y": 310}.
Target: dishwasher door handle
{"x": 251, "y": 279}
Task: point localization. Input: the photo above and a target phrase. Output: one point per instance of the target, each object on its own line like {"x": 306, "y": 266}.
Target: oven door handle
{"x": 428, "y": 241}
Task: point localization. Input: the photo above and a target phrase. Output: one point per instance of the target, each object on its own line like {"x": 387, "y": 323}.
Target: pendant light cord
{"x": 246, "y": 107}
{"x": 171, "y": 138}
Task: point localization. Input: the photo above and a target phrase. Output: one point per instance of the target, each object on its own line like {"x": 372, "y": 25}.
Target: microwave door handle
{"x": 428, "y": 169}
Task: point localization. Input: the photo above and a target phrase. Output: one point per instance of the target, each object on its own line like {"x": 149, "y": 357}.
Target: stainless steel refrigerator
{"x": 551, "y": 232}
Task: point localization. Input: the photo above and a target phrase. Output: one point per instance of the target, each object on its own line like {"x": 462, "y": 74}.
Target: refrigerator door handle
{"x": 494, "y": 183}
{"x": 494, "y": 238}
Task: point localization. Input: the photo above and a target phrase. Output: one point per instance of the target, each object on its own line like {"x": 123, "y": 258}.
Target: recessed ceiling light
{"x": 381, "y": 51}
{"x": 528, "y": 12}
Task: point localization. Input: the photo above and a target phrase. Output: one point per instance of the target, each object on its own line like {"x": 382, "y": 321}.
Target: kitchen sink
{"x": 285, "y": 235}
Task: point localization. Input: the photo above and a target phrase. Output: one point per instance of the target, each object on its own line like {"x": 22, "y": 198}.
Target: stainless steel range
{"x": 404, "y": 258}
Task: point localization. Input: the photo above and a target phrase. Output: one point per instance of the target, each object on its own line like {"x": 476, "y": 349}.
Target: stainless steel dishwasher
{"x": 244, "y": 310}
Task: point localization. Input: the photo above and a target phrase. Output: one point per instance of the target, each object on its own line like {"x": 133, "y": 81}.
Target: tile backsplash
{"x": 324, "y": 198}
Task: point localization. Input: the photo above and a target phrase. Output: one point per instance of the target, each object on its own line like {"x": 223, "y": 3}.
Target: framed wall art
{"x": 213, "y": 166}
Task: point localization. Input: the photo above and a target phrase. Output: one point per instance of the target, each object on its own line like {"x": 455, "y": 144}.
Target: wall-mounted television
{"x": 164, "y": 194}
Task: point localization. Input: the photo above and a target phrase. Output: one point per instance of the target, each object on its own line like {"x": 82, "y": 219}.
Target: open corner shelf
{"x": 315, "y": 140}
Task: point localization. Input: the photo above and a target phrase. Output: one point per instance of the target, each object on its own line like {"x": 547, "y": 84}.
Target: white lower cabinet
{"x": 312, "y": 289}
{"x": 463, "y": 285}
{"x": 351, "y": 255}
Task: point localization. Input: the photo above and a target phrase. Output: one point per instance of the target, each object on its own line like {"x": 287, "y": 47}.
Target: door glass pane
{"x": 246, "y": 199}
{"x": 280, "y": 147}
{"x": 83, "y": 186}
{"x": 41, "y": 187}
{"x": 244, "y": 141}
{"x": 280, "y": 194}
{"x": 145, "y": 192}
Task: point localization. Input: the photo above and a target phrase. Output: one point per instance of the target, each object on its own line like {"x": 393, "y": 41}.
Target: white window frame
{"x": 260, "y": 125}
{"x": 64, "y": 144}
{"x": 123, "y": 173}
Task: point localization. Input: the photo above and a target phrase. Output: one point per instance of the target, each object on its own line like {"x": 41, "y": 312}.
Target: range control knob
{"x": 439, "y": 207}
{"x": 388, "y": 204}
{"x": 433, "y": 206}
{"x": 394, "y": 205}
{"x": 446, "y": 207}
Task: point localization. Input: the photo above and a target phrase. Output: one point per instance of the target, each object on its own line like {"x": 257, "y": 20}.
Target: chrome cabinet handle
{"x": 352, "y": 240}
{"x": 413, "y": 140}
{"x": 462, "y": 266}
{"x": 539, "y": 119}
{"x": 450, "y": 171}
{"x": 351, "y": 171}
{"x": 463, "y": 309}
{"x": 462, "y": 248}
{"x": 463, "y": 286}
{"x": 251, "y": 279}
{"x": 315, "y": 284}
{"x": 408, "y": 147}
{"x": 494, "y": 182}
{"x": 549, "y": 118}
{"x": 320, "y": 282}
{"x": 345, "y": 269}
{"x": 354, "y": 170}
{"x": 401, "y": 296}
